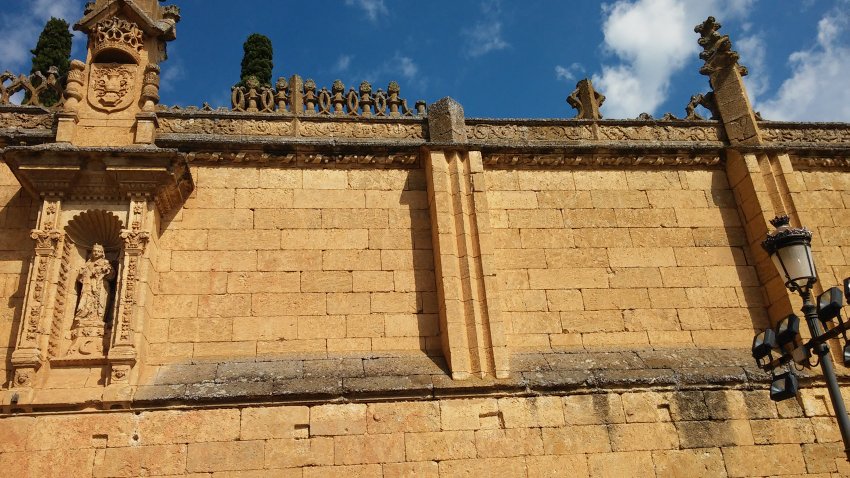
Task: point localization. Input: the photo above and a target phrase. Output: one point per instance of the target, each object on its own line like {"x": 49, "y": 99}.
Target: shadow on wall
{"x": 16, "y": 252}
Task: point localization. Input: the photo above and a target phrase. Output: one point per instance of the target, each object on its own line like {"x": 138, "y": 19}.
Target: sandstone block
{"x": 381, "y": 448}
{"x": 291, "y": 453}
{"x": 295, "y": 261}
{"x": 622, "y": 464}
{"x": 397, "y": 417}
{"x": 508, "y": 442}
{"x": 418, "y": 469}
{"x": 347, "y": 419}
{"x": 697, "y": 463}
{"x": 274, "y": 422}
{"x": 576, "y": 439}
{"x": 556, "y": 466}
{"x": 222, "y": 456}
{"x": 502, "y": 467}
{"x": 593, "y": 409}
{"x": 326, "y": 281}
{"x": 165, "y": 428}
{"x": 350, "y": 471}
{"x": 764, "y": 460}
{"x": 644, "y": 436}
{"x": 443, "y": 445}
{"x": 248, "y": 282}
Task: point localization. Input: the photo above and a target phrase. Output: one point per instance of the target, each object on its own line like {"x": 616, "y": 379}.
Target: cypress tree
{"x": 257, "y": 60}
{"x": 53, "y": 49}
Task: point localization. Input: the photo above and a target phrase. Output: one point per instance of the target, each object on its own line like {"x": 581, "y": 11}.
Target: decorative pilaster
{"x": 29, "y": 352}
{"x": 122, "y": 352}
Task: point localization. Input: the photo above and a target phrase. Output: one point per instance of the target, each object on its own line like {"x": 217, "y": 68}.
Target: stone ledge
{"x": 319, "y": 380}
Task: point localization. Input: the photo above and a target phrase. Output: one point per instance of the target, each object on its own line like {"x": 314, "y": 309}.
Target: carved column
{"x": 122, "y": 352}
{"x": 29, "y": 351}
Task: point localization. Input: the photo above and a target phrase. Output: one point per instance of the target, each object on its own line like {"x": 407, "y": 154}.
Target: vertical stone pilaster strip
{"x": 122, "y": 351}
{"x": 453, "y": 333}
{"x": 472, "y": 331}
{"x": 29, "y": 350}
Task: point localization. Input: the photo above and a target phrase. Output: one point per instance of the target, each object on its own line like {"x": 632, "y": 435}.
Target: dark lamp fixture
{"x": 763, "y": 345}
{"x": 783, "y": 387}
{"x": 787, "y": 330}
{"x": 791, "y": 251}
{"x": 830, "y": 304}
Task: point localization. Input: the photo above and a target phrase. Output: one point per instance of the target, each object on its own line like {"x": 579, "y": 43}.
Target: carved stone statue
{"x": 89, "y": 318}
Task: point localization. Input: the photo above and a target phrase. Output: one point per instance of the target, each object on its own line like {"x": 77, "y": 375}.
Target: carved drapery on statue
{"x": 90, "y": 318}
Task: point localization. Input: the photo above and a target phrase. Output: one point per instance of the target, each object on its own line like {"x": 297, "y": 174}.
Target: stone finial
{"x": 717, "y": 49}
{"x": 446, "y": 122}
{"x": 586, "y": 100}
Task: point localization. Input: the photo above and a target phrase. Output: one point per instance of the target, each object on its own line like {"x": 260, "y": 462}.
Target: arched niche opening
{"x": 116, "y": 56}
{"x": 94, "y": 239}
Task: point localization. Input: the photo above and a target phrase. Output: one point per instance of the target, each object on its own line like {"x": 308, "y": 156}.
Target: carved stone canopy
{"x": 153, "y": 20}
{"x": 102, "y": 174}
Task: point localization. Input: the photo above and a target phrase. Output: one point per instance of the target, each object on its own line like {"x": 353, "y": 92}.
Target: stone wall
{"x": 266, "y": 261}
{"x": 595, "y": 259}
{"x": 731, "y": 433}
{"x": 17, "y": 215}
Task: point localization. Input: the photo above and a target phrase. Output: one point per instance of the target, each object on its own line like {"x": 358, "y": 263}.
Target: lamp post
{"x": 791, "y": 252}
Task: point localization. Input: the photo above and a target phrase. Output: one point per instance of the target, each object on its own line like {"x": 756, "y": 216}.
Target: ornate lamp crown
{"x": 785, "y": 235}
{"x": 118, "y": 34}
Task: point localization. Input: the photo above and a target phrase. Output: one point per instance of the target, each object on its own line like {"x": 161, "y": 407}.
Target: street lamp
{"x": 790, "y": 249}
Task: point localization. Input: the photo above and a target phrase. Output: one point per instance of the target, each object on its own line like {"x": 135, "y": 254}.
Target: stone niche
{"x": 85, "y": 299}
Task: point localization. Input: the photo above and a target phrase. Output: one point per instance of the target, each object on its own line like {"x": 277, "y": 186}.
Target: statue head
{"x": 97, "y": 252}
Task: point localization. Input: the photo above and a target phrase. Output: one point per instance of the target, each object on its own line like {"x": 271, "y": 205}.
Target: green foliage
{"x": 53, "y": 49}
{"x": 257, "y": 60}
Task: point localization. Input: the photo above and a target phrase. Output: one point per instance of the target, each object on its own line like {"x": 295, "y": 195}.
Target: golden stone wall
{"x": 634, "y": 433}
{"x": 592, "y": 259}
{"x": 266, "y": 261}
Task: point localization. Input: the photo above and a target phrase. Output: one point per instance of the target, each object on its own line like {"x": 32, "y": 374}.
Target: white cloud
{"x": 753, "y": 51}
{"x": 407, "y": 67}
{"x": 817, "y": 87}
{"x": 568, "y": 73}
{"x": 486, "y": 34}
{"x": 653, "y": 39}
{"x": 342, "y": 63}
{"x": 19, "y": 31}
{"x": 372, "y": 8}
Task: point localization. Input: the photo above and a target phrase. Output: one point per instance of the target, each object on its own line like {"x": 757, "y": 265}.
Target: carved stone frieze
{"x": 820, "y": 163}
{"x": 225, "y": 126}
{"x": 359, "y": 130}
{"x": 572, "y": 160}
{"x": 839, "y": 135}
{"x": 659, "y": 133}
{"x": 514, "y": 132}
{"x": 305, "y": 159}
{"x": 585, "y": 132}
{"x": 26, "y": 121}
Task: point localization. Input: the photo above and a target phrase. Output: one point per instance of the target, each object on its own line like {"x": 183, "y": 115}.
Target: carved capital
{"x": 45, "y": 241}
{"x": 135, "y": 241}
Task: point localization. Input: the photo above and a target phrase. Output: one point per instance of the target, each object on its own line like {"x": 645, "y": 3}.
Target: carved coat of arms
{"x": 112, "y": 86}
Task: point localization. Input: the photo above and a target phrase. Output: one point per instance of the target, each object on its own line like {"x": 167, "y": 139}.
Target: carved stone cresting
{"x": 360, "y": 130}
{"x": 707, "y": 101}
{"x": 34, "y": 85}
{"x": 117, "y": 34}
{"x": 717, "y": 49}
{"x": 90, "y": 317}
{"x": 111, "y": 86}
{"x": 586, "y": 100}
{"x": 297, "y": 97}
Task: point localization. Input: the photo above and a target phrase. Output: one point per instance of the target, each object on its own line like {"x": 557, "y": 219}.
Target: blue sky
{"x": 499, "y": 58}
